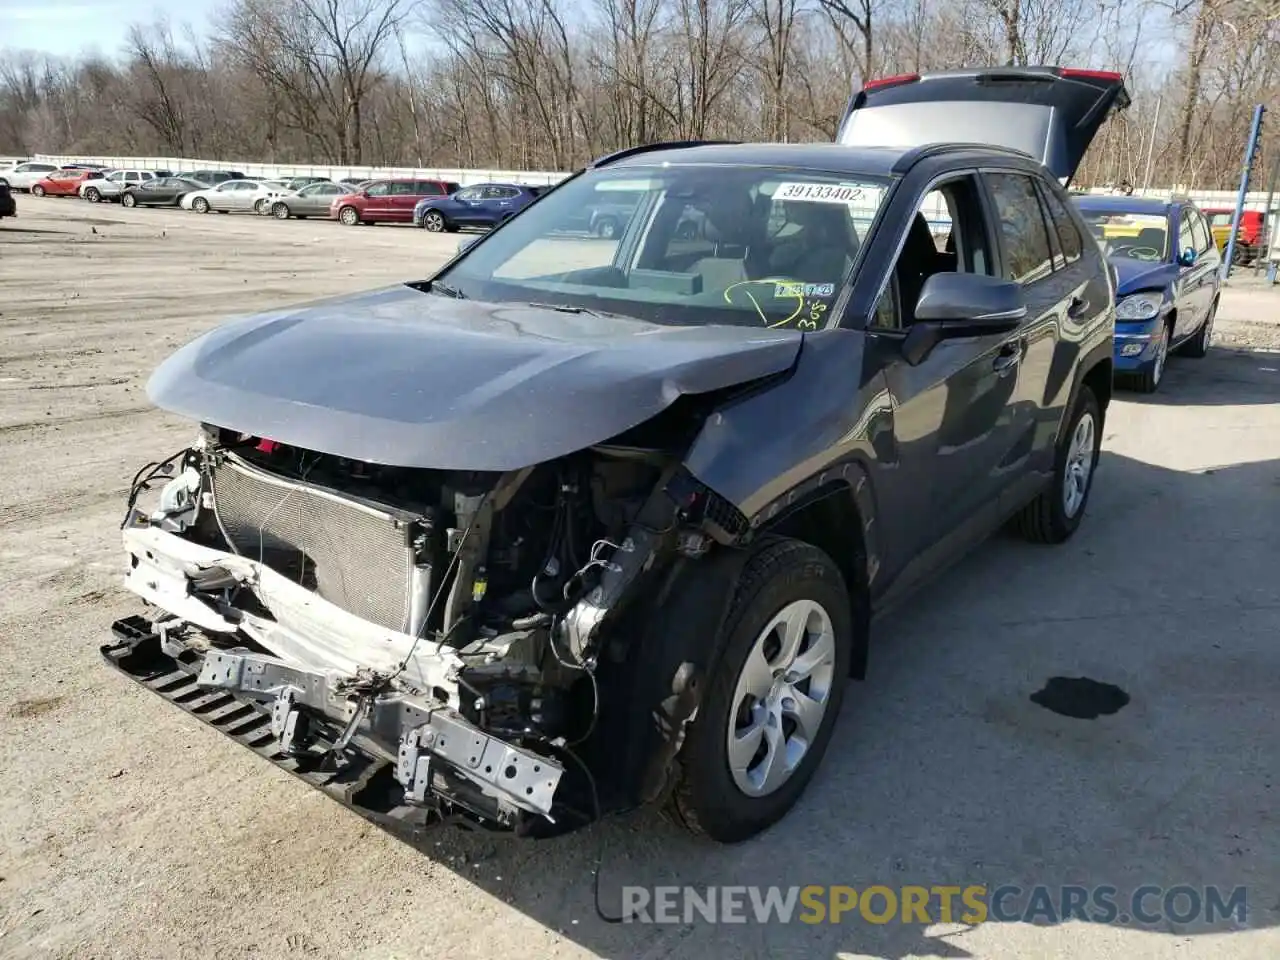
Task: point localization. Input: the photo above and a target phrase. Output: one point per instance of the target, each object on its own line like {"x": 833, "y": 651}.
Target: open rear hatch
{"x": 1051, "y": 113}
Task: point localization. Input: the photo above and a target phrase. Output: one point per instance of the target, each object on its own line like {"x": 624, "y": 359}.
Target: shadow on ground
{"x": 1226, "y": 376}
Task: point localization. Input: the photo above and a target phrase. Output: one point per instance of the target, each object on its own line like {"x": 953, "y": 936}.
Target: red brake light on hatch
{"x": 1089, "y": 74}
{"x": 891, "y": 81}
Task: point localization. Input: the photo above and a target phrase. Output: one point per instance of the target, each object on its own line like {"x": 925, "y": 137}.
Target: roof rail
{"x": 650, "y": 147}
{"x": 913, "y": 156}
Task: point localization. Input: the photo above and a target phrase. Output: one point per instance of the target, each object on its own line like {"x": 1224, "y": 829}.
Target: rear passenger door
{"x": 1042, "y": 250}
{"x": 500, "y": 202}
{"x": 1201, "y": 278}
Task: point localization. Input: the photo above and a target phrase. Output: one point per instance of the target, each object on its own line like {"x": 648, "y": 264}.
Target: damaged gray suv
{"x": 582, "y": 523}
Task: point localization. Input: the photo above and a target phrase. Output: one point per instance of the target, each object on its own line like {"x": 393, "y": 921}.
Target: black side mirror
{"x": 953, "y": 305}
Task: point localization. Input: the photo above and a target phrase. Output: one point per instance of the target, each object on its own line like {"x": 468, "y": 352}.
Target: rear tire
{"x": 128, "y": 200}
{"x": 37, "y": 191}
{"x": 1053, "y": 516}
{"x": 606, "y": 228}
{"x": 782, "y": 577}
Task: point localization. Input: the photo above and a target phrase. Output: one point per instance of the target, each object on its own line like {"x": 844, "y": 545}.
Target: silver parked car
{"x": 310, "y": 201}
{"x": 238, "y": 196}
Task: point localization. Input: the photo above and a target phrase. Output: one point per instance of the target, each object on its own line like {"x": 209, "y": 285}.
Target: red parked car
{"x": 1251, "y": 240}
{"x": 389, "y": 200}
{"x": 64, "y": 183}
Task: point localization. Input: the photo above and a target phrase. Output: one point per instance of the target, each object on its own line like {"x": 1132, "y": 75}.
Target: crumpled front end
{"x": 422, "y": 645}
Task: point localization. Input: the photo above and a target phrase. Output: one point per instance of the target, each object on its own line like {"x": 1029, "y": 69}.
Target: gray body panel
{"x": 421, "y": 380}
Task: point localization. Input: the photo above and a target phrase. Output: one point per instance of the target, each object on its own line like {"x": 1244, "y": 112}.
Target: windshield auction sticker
{"x": 818, "y": 192}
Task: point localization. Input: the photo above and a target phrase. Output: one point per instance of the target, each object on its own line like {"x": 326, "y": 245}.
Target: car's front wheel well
{"x": 830, "y": 520}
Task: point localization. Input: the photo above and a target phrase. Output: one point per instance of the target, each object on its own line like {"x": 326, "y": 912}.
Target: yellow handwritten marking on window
{"x": 771, "y": 283}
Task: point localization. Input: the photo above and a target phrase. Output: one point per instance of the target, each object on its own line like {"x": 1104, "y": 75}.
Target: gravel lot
{"x": 129, "y": 830}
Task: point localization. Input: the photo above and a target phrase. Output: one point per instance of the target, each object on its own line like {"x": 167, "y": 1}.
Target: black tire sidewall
{"x": 1084, "y": 401}
{"x": 723, "y": 811}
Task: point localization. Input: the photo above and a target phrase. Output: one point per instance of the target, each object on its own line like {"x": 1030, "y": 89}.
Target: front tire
{"x": 433, "y": 221}
{"x": 1149, "y": 380}
{"x": 774, "y": 699}
{"x": 1198, "y": 347}
{"x": 200, "y": 205}
{"x": 92, "y": 195}
{"x": 1054, "y": 515}
{"x": 606, "y": 228}
{"x": 280, "y": 211}
{"x": 349, "y": 216}
{"x": 37, "y": 191}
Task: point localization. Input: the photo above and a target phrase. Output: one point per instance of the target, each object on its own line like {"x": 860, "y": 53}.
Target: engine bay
{"x": 502, "y": 583}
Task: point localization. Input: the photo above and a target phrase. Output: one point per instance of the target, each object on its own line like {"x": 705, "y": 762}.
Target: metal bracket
{"x": 289, "y": 725}
{"x": 526, "y": 779}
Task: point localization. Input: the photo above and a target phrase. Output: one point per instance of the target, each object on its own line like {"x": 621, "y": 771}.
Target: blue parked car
{"x": 1168, "y": 272}
{"x": 482, "y": 205}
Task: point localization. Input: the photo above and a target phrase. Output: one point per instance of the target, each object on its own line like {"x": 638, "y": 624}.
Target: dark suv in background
{"x": 614, "y": 513}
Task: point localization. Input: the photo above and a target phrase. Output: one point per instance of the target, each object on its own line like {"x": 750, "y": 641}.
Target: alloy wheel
{"x": 433, "y": 222}
{"x": 1079, "y": 466}
{"x": 781, "y": 697}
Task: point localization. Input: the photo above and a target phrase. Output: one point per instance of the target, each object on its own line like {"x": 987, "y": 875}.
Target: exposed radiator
{"x": 353, "y": 554}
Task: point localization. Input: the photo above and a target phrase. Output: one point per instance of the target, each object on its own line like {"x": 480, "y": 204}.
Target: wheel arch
{"x": 830, "y": 517}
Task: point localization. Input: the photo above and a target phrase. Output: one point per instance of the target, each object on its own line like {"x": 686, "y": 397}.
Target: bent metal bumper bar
{"x": 311, "y": 704}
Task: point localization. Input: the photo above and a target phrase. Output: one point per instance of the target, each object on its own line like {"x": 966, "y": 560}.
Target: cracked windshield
{"x": 1132, "y": 235}
{"x": 682, "y": 245}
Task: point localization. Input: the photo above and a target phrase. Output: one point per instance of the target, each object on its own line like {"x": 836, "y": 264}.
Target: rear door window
{"x": 1028, "y": 254}
{"x": 1070, "y": 243}
{"x": 1200, "y": 231}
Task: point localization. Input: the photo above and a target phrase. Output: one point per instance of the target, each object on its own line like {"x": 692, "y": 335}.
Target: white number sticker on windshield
{"x": 818, "y": 192}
